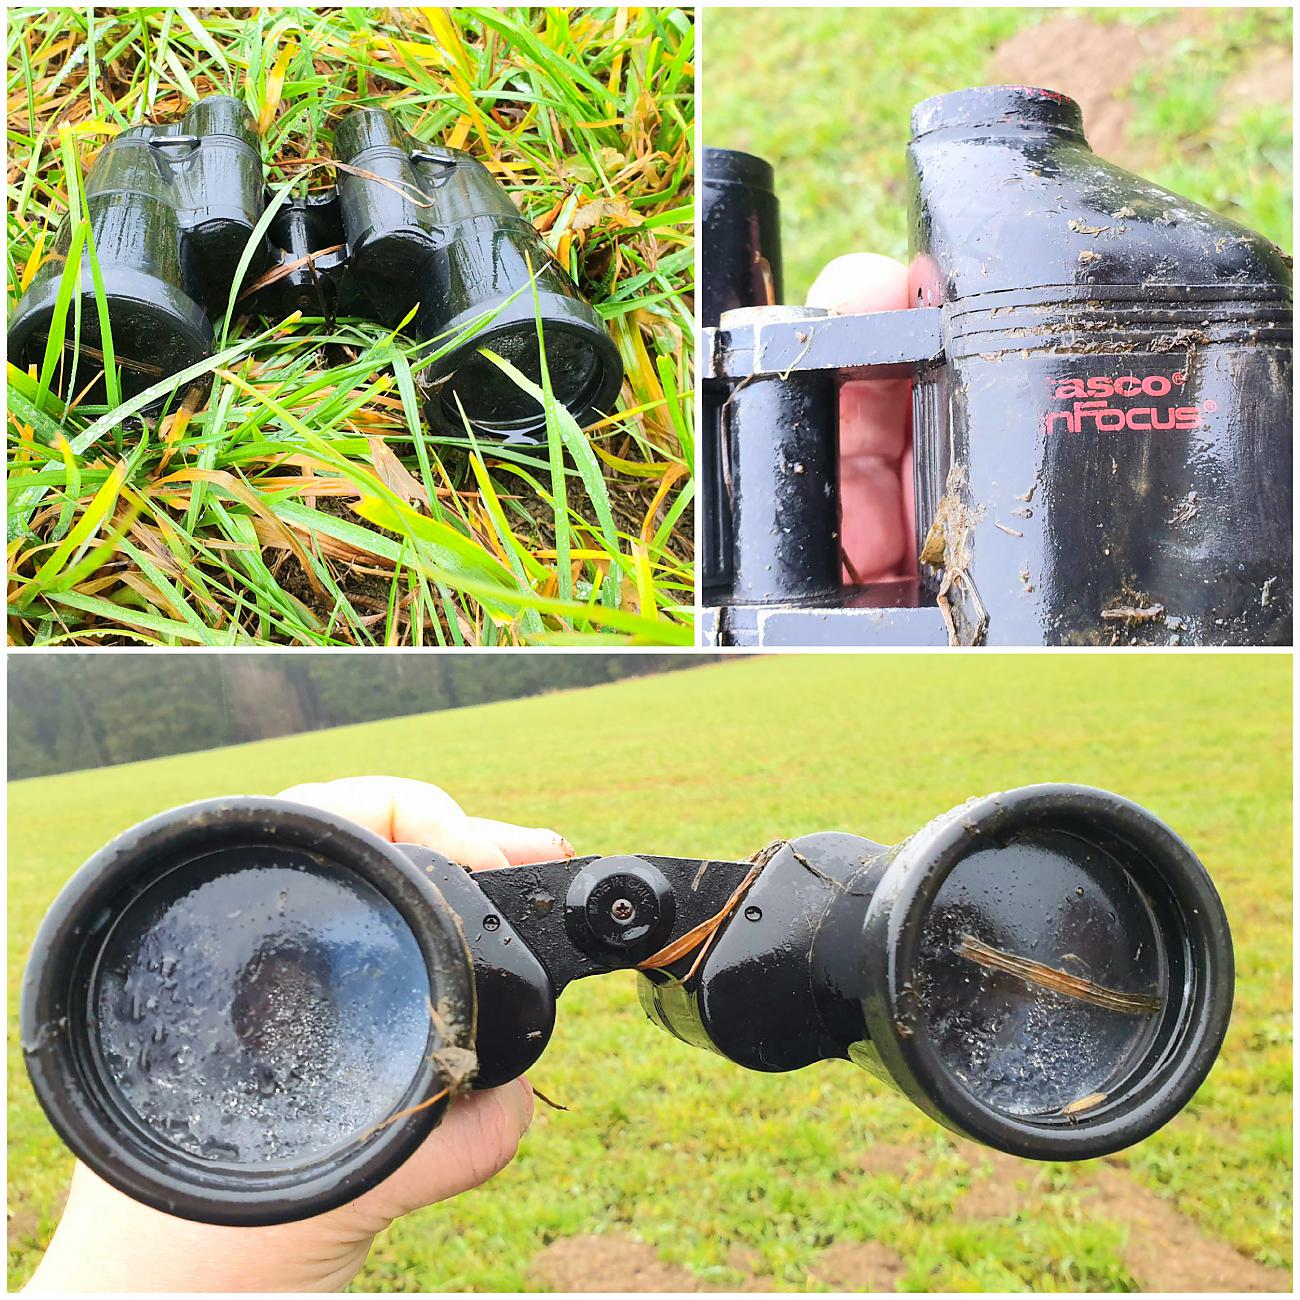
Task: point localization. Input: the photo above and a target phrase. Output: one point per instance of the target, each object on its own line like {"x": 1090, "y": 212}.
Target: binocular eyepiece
{"x": 248, "y": 1011}
{"x": 1101, "y": 405}
{"x": 408, "y": 228}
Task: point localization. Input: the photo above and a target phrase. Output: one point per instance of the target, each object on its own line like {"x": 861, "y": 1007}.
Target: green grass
{"x": 837, "y": 86}
{"x": 278, "y": 513}
{"x": 676, "y": 1146}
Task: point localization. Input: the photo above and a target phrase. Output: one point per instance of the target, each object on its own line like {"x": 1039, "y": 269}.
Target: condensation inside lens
{"x": 261, "y": 1007}
{"x": 1005, "y": 927}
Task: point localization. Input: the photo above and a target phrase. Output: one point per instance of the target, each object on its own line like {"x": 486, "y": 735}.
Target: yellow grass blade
{"x": 275, "y": 87}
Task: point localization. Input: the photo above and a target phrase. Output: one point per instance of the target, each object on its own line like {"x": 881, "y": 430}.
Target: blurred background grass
{"x": 306, "y": 503}
{"x": 1198, "y": 100}
{"x": 741, "y": 1180}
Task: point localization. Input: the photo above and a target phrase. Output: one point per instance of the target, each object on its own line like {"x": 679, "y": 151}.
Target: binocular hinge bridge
{"x": 876, "y": 345}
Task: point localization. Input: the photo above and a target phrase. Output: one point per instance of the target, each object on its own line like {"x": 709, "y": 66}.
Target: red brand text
{"x": 1102, "y": 403}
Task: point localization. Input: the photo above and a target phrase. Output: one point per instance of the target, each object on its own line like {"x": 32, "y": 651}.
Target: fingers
{"x": 873, "y": 530}
{"x": 875, "y": 433}
{"x": 860, "y": 282}
{"x": 414, "y": 812}
{"x": 478, "y": 1137}
{"x": 523, "y": 844}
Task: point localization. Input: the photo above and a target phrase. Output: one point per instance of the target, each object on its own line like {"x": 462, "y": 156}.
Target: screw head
{"x": 619, "y": 910}
{"x": 492, "y": 922}
{"x": 753, "y": 913}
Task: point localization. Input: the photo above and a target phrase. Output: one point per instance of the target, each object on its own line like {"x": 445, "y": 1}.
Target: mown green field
{"x": 1204, "y": 95}
{"x": 676, "y": 1147}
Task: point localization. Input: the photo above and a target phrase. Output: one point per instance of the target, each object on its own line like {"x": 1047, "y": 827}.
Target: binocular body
{"x": 1101, "y": 405}
{"x": 407, "y": 229}
{"x": 248, "y": 1011}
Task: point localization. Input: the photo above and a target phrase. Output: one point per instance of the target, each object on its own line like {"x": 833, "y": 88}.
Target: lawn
{"x": 1196, "y": 100}
{"x": 307, "y": 502}
{"x": 743, "y": 1180}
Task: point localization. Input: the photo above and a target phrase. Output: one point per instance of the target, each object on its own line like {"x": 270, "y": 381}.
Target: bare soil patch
{"x": 1265, "y": 80}
{"x": 1166, "y": 1251}
{"x": 22, "y": 1226}
{"x": 608, "y": 1262}
{"x": 1094, "y": 63}
{"x": 1002, "y": 1187}
{"x": 893, "y": 1159}
{"x": 618, "y": 1262}
{"x": 859, "y": 1266}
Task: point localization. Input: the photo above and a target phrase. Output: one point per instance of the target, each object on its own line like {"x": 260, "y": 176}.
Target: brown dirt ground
{"x": 1165, "y": 1251}
{"x": 1267, "y": 80}
{"x": 893, "y": 1159}
{"x": 22, "y": 1226}
{"x": 1095, "y": 63}
{"x": 618, "y": 1262}
{"x": 859, "y": 1266}
{"x": 608, "y": 1262}
{"x": 1002, "y": 1187}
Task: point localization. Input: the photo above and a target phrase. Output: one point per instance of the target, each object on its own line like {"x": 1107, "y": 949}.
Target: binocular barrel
{"x": 248, "y": 1011}
{"x": 1101, "y": 414}
{"x": 409, "y": 229}
{"x": 741, "y": 224}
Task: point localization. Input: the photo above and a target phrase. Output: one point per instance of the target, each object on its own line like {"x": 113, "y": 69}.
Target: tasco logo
{"x": 1106, "y": 404}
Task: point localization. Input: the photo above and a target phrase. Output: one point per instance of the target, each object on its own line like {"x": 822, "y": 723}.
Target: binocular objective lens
{"x": 260, "y": 1007}
{"x": 1041, "y": 976}
{"x": 494, "y": 402}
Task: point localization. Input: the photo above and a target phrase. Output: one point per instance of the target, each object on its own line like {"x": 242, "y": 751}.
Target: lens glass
{"x": 261, "y": 1007}
{"x": 493, "y": 401}
{"x": 1041, "y": 975}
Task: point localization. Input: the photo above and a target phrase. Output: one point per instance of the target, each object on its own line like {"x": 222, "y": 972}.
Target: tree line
{"x": 70, "y": 711}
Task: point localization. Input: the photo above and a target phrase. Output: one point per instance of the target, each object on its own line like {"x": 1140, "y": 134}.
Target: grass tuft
{"x": 304, "y": 502}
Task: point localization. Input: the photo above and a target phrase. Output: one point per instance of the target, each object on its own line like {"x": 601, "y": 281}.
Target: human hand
{"x": 105, "y": 1241}
{"x": 875, "y": 429}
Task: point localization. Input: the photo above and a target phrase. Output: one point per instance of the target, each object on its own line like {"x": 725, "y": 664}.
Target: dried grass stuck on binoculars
{"x": 1100, "y": 423}
{"x": 352, "y": 327}
{"x": 248, "y": 1011}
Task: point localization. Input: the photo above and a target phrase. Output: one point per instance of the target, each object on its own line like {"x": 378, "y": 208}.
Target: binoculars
{"x": 408, "y": 228}
{"x": 1101, "y": 405}
{"x": 247, "y": 1011}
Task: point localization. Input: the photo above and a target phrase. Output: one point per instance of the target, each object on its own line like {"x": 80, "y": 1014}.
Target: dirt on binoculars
{"x": 305, "y": 499}
{"x": 671, "y": 1169}
{"x": 1198, "y": 100}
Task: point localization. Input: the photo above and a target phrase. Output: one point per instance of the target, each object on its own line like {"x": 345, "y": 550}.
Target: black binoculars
{"x": 248, "y": 1011}
{"x": 1101, "y": 405}
{"x": 409, "y": 231}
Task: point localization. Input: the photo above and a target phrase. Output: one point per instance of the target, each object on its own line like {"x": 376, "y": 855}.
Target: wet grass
{"x": 846, "y": 81}
{"x": 306, "y": 502}
{"x": 674, "y": 1145}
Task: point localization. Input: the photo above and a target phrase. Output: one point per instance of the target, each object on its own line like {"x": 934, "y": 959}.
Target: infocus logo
{"x": 1092, "y": 404}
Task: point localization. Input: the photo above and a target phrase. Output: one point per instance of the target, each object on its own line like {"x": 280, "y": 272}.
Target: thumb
{"x": 478, "y": 1137}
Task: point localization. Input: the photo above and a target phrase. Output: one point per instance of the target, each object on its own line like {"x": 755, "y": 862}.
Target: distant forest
{"x": 70, "y": 711}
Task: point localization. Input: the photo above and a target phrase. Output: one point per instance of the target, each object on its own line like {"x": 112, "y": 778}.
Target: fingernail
{"x": 566, "y": 849}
